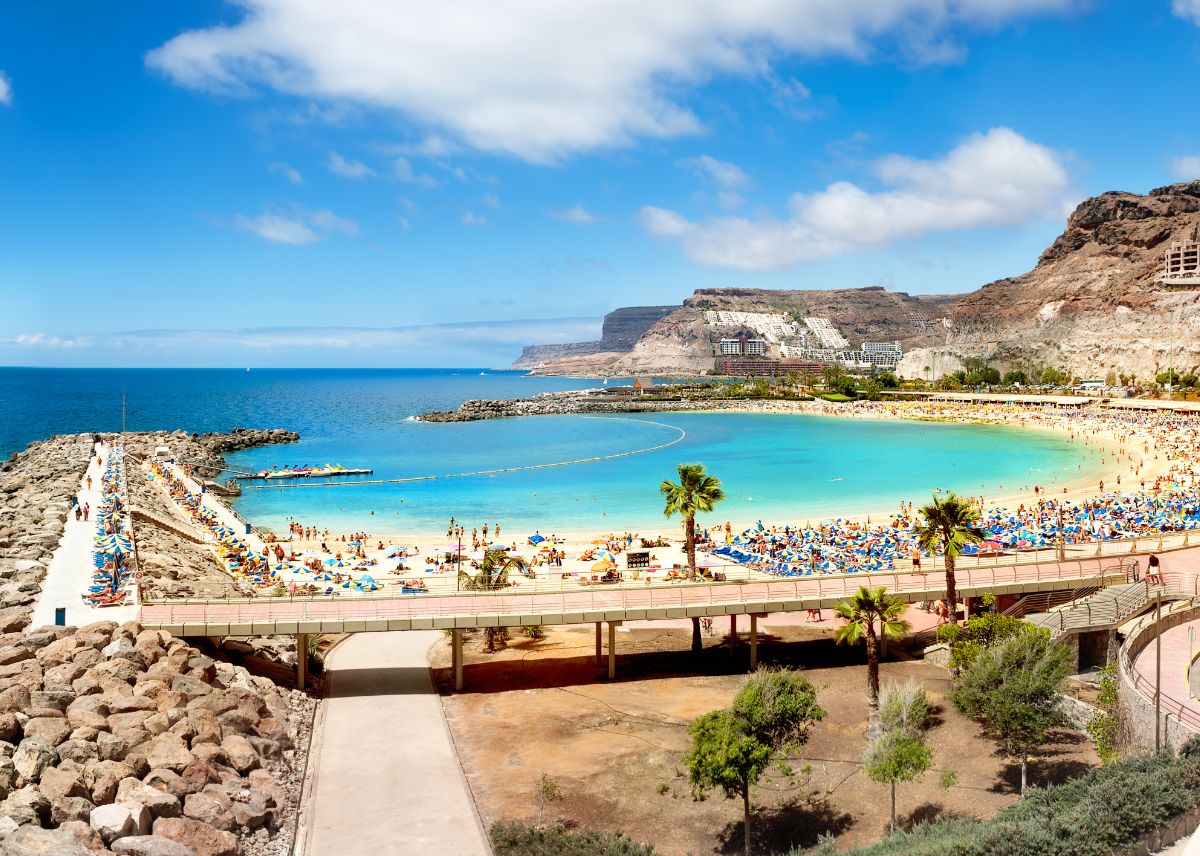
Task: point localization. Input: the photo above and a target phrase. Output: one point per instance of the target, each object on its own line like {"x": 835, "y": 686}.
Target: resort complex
{"x": 599, "y": 429}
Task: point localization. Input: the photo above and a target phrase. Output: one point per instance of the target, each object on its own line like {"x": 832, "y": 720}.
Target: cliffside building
{"x": 741, "y": 345}
{"x": 1181, "y": 265}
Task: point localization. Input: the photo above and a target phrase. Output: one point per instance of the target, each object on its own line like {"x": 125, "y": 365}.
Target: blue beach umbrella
{"x": 114, "y": 545}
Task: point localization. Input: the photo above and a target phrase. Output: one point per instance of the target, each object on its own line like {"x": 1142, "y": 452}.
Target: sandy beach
{"x": 1126, "y": 461}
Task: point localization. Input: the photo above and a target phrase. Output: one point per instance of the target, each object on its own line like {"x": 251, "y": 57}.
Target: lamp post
{"x": 1158, "y": 673}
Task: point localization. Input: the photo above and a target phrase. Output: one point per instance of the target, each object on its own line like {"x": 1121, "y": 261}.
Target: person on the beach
{"x": 86, "y": 509}
{"x": 78, "y": 512}
{"x": 89, "y": 482}
{"x": 1154, "y": 571}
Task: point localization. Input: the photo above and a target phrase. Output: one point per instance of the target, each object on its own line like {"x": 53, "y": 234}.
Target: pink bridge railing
{"x": 600, "y": 599}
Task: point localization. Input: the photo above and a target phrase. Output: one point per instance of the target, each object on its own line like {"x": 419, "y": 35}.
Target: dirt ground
{"x": 616, "y": 748}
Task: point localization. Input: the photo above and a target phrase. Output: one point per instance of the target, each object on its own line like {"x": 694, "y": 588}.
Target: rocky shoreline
{"x": 117, "y": 739}
{"x": 601, "y": 401}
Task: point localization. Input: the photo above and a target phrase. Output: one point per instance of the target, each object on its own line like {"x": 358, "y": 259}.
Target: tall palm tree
{"x": 861, "y": 612}
{"x": 696, "y": 491}
{"x": 952, "y": 524}
{"x": 492, "y": 576}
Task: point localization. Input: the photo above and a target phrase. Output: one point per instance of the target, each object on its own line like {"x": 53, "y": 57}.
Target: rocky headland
{"x": 118, "y": 739}
{"x": 602, "y": 401}
{"x": 1090, "y": 305}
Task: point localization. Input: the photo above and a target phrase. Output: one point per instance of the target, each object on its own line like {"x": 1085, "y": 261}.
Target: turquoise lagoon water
{"x": 775, "y": 467}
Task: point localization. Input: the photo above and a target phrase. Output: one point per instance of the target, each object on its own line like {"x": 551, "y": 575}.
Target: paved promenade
{"x": 387, "y": 778}
{"x": 1176, "y": 653}
{"x": 70, "y": 571}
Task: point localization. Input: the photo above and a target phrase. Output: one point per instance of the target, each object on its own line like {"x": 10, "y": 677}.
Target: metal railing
{"x": 1168, "y": 704}
{"x": 787, "y": 594}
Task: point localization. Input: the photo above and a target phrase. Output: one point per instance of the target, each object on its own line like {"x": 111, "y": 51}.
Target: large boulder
{"x": 88, "y": 710}
{"x": 34, "y": 754}
{"x": 58, "y": 783}
{"x": 54, "y": 728}
{"x": 150, "y": 845}
{"x": 113, "y": 821}
{"x": 104, "y": 778}
{"x": 212, "y": 806}
{"x": 35, "y": 841}
{"x": 168, "y": 752}
{"x": 70, "y": 808}
{"x": 27, "y": 805}
{"x": 160, "y": 803}
{"x": 240, "y": 753}
{"x": 200, "y": 837}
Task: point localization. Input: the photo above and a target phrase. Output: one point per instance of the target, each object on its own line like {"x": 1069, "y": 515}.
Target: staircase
{"x": 1108, "y": 607}
{"x": 180, "y": 528}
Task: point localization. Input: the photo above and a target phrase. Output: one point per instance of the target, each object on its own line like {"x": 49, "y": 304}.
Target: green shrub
{"x": 516, "y": 839}
{"x": 1107, "y": 810}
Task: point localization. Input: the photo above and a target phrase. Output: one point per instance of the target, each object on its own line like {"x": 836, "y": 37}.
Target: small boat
{"x": 317, "y": 472}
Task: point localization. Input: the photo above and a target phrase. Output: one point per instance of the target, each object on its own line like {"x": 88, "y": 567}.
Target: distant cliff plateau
{"x": 620, "y": 331}
{"x": 1091, "y": 306}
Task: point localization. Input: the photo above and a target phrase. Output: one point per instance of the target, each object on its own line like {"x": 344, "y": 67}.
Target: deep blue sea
{"x": 774, "y": 467}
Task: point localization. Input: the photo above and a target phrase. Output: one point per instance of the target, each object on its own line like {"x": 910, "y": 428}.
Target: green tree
{"x": 1013, "y": 689}
{"x": 734, "y": 746}
{"x": 492, "y": 576}
{"x": 1104, "y": 727}
{"x": 546, "y": 791}
{"x": 861, "y": 612}
{"x": 696, "y": 491}
{"x": 977, "y": 634}
{"x": 952, "y": 524}
{"x": 1016, "y": 378}
{"x": 899, "y": 752}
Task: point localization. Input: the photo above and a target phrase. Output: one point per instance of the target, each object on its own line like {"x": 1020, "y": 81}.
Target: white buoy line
{"x": 595, "y": 459}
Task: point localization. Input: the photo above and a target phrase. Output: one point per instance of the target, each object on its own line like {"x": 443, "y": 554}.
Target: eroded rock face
{"x": 1092, "y": 303}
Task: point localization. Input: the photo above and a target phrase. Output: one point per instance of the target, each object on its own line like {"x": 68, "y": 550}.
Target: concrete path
{"x": 71, "y": 568}
{"x": 387, "y": 778}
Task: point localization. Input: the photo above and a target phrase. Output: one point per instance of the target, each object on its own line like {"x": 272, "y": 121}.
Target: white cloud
{"x": 464, "y": 334}
{"x": 351, "y": 169}
{"x": 491, "y": 200}
{"x": 996, "y": 178}
{"x": 287, "y": 171}
{"x": 470, "y": 218}
{"x": 576, "y": 214}
{"x": 403, "y": 171}
{"x": 542, "y": 80}
{"x": 298, "y": 228}
{"x": 1187, "y": 9}
{"x": 1186, "y": 167}
{"x": 721, "y": 173}
{"x": 5, "y": 89}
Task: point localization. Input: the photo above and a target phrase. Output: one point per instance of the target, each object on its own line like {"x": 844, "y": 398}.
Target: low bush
{"x": 517, "y": 839}
{"x": 1108, "y": 809}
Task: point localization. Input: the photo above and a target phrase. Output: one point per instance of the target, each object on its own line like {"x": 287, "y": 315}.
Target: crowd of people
{"x": 1168, "y": 502}
{"x": 113, "y": 546}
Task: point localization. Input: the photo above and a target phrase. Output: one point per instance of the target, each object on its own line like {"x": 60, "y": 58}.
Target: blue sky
{"x": 369, "y": 183}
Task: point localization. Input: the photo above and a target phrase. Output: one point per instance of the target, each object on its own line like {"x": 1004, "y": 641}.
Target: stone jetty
{"x": 117, "y": 739}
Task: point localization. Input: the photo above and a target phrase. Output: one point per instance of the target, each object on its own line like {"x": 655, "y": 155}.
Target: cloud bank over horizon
{"x": 475, "y": 343}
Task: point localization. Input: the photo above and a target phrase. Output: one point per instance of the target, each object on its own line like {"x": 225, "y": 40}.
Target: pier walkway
{"x": 412, "y": 797}
{"x": 70, "y": 571}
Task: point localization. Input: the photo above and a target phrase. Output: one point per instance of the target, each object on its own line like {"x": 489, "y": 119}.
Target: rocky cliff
{"x": 621, "y": 329}
{"x": 681, "y": 344}
{"x": 1091, "y": 304}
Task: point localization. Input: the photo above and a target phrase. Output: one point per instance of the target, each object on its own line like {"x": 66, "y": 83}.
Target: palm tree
{"x": 860, "y": 613}
{"x": 492, "y": 576}
{"x": 696, "y": 491}
{"x": 952, "y": 524}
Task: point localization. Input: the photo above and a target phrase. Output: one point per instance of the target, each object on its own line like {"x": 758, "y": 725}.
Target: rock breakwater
{"x": 117, "y": 739}
{"x": 603, "y": 402}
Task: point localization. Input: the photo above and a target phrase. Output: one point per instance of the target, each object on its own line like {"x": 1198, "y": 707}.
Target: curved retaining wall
{"x": 1139, "y": 707}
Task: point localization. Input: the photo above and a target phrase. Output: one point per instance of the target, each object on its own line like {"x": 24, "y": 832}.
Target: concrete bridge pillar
{"x": 732, "y": 629}
{"x": 598, "y": 642}
{"x": 456, "y": 657}
{"x": 753, "y": 641}
{"x": 301, "y": 661}
{"x": 612, "y": 648}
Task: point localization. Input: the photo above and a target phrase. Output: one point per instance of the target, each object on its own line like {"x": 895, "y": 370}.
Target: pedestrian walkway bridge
{"x": 520, "y": 607}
